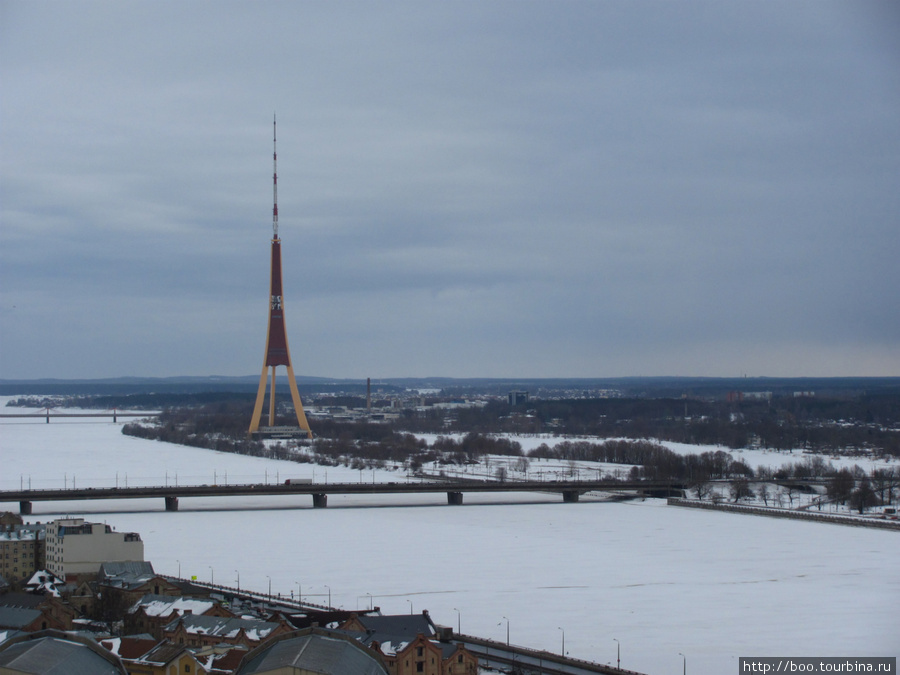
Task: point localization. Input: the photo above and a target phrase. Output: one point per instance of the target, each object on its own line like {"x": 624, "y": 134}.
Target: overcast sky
{"x": 466, "y": 189}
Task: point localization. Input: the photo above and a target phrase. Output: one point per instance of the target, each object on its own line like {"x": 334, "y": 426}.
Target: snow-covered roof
{"x": 21, "y": 533}
{"x": 162, "y": 654}
{"x": 43, "y": 577}
{"x": 131, "y": 647}
{"x": 224, "y": 627}
{"x": 164, "y": 605}
{"x": 45, "y": 582}
{"x": 9, "y": 634}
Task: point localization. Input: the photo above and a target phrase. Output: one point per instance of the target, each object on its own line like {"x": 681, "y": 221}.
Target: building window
{"x": 419, "y": 651}
{"x": 420, "y": 666}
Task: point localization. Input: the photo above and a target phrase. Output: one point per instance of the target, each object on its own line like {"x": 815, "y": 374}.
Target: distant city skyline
{"x": 501, "y": 190}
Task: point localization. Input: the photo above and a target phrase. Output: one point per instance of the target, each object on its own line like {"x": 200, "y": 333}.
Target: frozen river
{"x": 660, "y": 580}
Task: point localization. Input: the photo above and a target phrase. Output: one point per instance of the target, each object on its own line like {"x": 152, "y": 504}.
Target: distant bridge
{"x": 46, "y": 415}
{"x": 570, "y": 490}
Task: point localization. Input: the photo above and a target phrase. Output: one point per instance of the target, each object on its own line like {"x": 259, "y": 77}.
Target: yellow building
{"x": 76, "y": 549}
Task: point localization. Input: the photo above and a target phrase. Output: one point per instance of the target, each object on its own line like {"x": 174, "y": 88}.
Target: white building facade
{"x": 75, "y": 548}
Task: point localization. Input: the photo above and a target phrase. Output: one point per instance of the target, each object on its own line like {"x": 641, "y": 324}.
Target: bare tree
{"x": 790, "y": 493}
{"x": 883, "y": 482}
{"x": 863, "y": 496}
{"x": 740, "y": 489}
{"x": 840, "y": 486}
{"x": 702, "y": 489}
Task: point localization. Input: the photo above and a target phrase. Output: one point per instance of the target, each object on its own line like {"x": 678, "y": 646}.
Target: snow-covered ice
{"x": 659, "y": 579}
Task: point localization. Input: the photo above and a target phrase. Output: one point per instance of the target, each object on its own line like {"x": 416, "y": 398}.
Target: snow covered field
{"x": 661, "y": 580}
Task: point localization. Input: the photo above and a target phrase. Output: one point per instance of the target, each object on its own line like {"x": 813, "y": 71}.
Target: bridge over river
{"x": 570, "y": 490}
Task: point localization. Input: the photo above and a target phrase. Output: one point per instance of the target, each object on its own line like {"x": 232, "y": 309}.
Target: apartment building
{"x": 21, "y": 549}
{"x": 76, "y": 549}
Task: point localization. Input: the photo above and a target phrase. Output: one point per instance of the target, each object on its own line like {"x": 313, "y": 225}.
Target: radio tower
{"x": 277, "y": 352}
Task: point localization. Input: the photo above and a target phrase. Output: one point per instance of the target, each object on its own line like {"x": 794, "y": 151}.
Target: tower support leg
{"x": 570, "y": 496}
{"x": 25, "y": 508}
{"x": 454, "y": 498}
{"x": 272, "y": 400}
{"x": 260, "y": 396}
{"x": 320, "y": 501}
{"x": 171, "y": 503}
{"x": 298, "y": 404}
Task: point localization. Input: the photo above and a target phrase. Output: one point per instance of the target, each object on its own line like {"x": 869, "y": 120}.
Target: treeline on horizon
{"x": 359, "y": 445}
{"x": 368, "y": 446}
{"x": 863, "y": 424}
{"x": 868, "y": 423}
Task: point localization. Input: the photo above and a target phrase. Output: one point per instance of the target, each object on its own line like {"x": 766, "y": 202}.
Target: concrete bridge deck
{"x": 570, "y": 490}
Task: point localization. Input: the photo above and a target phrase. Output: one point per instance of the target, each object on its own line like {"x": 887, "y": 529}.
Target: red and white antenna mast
{"x": 274, "y": 181}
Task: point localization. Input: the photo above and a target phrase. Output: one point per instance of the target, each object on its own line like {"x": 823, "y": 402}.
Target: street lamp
{"x": 371, "y": 601}
{"x": 563, "y": 641}
{"x": 299, "y": 593}
{"x": 458, "y": 621}
{"x": 410, "y": 605}
{"x": 238, "y": 579}
{"x": 507, "y": 631}
{"x": 683, "y": 663}
{"x": 618, "y": 653}
{"x": 270, "y": 585}
{"x": 329, "y": 595}
{"x": 212, "y": 576}
{"x": 179, "y": 568}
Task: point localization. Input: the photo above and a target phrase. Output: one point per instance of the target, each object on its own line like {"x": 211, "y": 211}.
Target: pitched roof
{"x": 9, "y": 634}
{"x": 126, "y": 567}
{"x": 224, "y": 627}
{"x": 223, "y": 662}
{"x": 126, "y": 574}
{"x": 163, "y": 653}
{"x": 401, "y": 625}
{"x": 164, "y": 605}
{"x": 43, "y": 581}
{"x": 24, "y": 600}
{"x": 57, "y": 653}
{"x": 17, "y": 617}
{"x": 130, "y": 648}
{"x": 312, "y": 651}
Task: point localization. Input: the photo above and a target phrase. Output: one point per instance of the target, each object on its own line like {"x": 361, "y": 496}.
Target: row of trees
{"x": 832, "y": 425}
{"x": 842, "y": 423}
{"x": 221, "y": 426}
